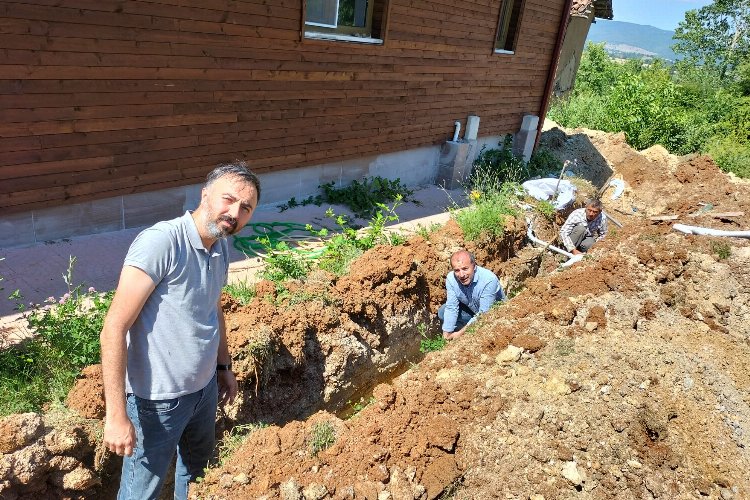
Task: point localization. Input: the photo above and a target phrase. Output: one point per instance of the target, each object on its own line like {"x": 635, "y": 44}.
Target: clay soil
{"x": 626, "y": 375}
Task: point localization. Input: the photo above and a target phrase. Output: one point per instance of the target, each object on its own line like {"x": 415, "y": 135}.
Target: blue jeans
{"x": 464, "y": 315}
{"x": 186, "y": 424}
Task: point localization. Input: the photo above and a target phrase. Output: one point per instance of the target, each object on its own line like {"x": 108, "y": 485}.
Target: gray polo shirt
{"x": 173, "y": 344}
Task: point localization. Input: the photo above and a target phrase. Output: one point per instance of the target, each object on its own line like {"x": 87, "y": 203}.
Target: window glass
{"x": 342, "y": 17}
{"x": 507, "y": 30}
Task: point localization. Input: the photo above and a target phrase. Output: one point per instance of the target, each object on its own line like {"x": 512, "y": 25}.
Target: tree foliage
{"x": 715, "y": 36}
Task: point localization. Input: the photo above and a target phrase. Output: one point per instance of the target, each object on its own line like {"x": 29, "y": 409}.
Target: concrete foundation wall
{"x": 415, "y": 167}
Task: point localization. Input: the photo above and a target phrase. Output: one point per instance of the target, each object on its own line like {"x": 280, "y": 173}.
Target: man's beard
{"x": 215, "y": 230}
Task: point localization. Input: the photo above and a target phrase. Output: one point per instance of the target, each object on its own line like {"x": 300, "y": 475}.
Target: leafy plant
{"x": 427, "y": 343}
{"x": 243, "y": 291}
{"x": 485, "y": 217}
{"x": 547, "y": 209}
{"x": 364, "y": 198}
{"x": 282, "y": 263}
{"x": 323, "y": 436}
{"x": 721, "y": 249}
{"x": 493, "y": 167}
{"x": 348, "y": 244}
{"x": 426, "y": 231}
{"x": 292, "y": 203}
{"x": 66, "y": 338}
{"x": 360, "y": 405}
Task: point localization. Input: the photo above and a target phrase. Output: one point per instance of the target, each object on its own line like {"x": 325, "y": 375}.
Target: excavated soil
{"x": 626, "y": 375}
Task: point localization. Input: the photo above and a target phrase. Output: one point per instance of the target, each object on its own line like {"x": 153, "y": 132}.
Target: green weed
{"x": 721, "y": 249}
{"x": 242, "y": 291}
{"x": 564, "y": 347}
{"x": 66, "y": 339}
{"x": 283, "y": 263}
{"x": 546, "y": 209}
{"x": 323, "y": 436}
{"x": 292, "y": 203}
{"x": 427, "y": 343}
{"x": 485, "y": 217}
{"x": 360, "y": 405}
{"x": 426, "y": 231}
{"x": 234, "y": 437}
{"x": 364, "y": 198}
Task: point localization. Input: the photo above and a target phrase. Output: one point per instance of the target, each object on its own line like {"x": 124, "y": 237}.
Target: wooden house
{"x": 113, "y": 111}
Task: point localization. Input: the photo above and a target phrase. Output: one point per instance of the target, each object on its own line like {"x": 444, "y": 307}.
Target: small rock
{"x": 606, "y": 389}
{"x": 384, "y": 495}
{"x": 19, "y": 430}
{"x": 726, "y": 494}
{"x": 571, "y": 472}
{"x": 225, "y": 481}
{"x": 315, "y": 491}
{"x": 591, "y": 326}
{"x": 634, "y": 464}
{"x": 241, "y": 478}
{"x": 290, "y": 490}
{"x": 688, "y": 383}
{"x": 509, "y": 355}
{"x": 644, "y": 385}
{"x": 557, "y": 386}
{"x": 536, "y": 497}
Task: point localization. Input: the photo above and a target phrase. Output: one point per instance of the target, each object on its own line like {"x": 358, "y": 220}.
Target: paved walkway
{"x": 37, "y": 271}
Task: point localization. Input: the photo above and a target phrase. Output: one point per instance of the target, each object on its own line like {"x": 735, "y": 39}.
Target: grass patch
{"x": 484, "y": 218}
{"x": 323, "y": 436}
{"x": 234, "y": 437}
{"x": 242, "y": 291}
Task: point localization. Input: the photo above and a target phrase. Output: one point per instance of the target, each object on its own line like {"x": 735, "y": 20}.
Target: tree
{"x": 715, "y": 36}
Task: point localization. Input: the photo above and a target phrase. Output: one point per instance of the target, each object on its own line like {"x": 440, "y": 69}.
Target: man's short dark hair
{"x": 595, "y": 203}
{"x": 236, "y": 168}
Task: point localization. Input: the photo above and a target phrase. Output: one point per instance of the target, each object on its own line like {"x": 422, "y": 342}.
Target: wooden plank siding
{"x": 101, "y": 98}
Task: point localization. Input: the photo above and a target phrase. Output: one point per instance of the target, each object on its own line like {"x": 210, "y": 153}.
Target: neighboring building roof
{"x": 602, "y": 8}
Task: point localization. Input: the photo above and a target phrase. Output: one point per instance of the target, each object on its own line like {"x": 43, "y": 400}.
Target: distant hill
{"x": 632, "y": 40}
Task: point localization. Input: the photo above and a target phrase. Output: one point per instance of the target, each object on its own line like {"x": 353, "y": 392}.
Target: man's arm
{"x": 603, "y": 227}
{"x": 134, "y": 288}
{"x": 565, "y": 231}
{"x": 225, "y": 378}
{"x": 450, "y": 315}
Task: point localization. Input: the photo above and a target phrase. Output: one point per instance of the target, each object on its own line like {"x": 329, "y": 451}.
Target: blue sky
{"x": 664, "y": 14}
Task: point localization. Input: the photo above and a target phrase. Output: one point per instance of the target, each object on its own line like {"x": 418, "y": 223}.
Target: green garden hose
{"x": 275, "y": 232}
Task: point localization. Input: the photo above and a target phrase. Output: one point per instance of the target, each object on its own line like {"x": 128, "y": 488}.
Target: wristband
{"x": 223, "y": 367}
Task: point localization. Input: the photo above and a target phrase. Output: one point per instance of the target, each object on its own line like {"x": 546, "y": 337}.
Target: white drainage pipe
{"x": 706, "y": 231}
{"x": 456, "y": 131}
{"x": 572, "y": 259}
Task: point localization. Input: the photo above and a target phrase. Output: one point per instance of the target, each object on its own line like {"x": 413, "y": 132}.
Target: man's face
{"x": 228, "y": 204}
{"x": 592, "y": 213}
{"x": 463, "y": 269}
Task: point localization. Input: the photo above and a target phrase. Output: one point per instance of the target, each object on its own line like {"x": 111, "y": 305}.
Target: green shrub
{"x": 493, "y": 167}
{"x": 66, "y": 332}
{"x": 364, "y": 198}
{"x": 484, "y": 218}
{"x": 234, "y": 437}
{"x": 283, "y": 263}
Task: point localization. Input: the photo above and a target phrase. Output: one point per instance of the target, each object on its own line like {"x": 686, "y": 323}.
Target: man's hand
{"x": 119, "y": 436}
{"x": 576, "y": 252}
{"x": 227, "y": 386}
{"x": 454, "y": 335}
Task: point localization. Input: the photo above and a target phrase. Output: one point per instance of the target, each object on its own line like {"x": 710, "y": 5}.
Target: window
{"x": 509, "y": 26}
{"x": 348, "y": 20}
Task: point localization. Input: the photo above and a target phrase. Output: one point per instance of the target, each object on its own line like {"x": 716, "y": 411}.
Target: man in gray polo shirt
{"x": 165, "y": 360}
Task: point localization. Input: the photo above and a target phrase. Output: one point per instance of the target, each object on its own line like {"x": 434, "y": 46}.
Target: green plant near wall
{"x": 367, "y": 196}
{"x": 283, "y": 263}
{"x": 428, "y": 343}
{"x": 66, "y": 338}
